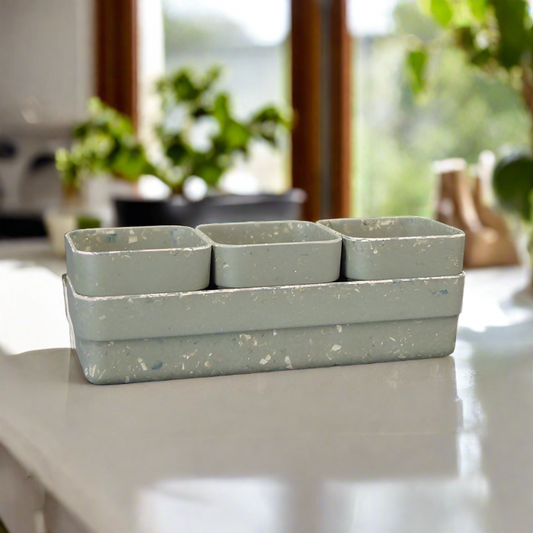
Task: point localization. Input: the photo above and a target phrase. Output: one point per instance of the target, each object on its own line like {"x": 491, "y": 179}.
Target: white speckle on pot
{"x": 339, "y": 329}
{"x": 288, "y": 363}
{"x": 336, "y": 347}
{"x": 265, "y": 360}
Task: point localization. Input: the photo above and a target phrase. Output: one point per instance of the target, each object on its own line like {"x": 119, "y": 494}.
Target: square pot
{"x": 263, "y": 254}
{"x": 139, "y": 260}
{"x": 398, "y": 247}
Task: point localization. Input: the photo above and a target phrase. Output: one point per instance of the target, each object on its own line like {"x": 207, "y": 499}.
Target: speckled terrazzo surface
{"x": 143, "y": 260}
{"x": 261, "y": 254}
{"x": 398, "y": 247}
{"x": 217, "y": 332}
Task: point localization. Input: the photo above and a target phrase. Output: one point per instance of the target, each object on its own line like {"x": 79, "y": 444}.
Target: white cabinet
{"x": 46, "y": 60}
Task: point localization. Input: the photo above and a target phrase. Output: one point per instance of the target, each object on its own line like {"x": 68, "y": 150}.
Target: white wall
{"x": 151, "y": 65}
{"x": 46, "y": 60}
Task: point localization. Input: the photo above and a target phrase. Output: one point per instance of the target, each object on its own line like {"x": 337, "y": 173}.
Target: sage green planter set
{"x": 167, "y": 302}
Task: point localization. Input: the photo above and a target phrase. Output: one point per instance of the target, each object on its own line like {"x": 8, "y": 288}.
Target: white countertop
{"x": 442, "y": 445}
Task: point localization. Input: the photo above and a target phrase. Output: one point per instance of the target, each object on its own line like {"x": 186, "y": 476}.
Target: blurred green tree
{"x": 399, "y": 134}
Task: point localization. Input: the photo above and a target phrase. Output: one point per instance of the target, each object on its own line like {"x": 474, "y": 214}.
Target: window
{"x": 396, "y": 138}
{"x": 250, "y": 41}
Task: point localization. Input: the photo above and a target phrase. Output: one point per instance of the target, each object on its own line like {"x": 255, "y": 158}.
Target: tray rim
{"x": 206, "y": 312}
{"x": 182, "y": 294}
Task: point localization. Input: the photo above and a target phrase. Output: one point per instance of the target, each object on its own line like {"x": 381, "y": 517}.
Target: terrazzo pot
{"x": 398, "y": 247}
{"x": 138, "y": 260}
{"x": 265, "y": 254}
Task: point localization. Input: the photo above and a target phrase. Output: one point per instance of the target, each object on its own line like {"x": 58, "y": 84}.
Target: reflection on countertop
{"x": 310, "y": 435}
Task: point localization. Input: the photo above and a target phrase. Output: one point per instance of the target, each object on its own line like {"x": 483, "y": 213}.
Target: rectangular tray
{"x": 398, "y": 247}
{"x": 129, "y": 361}
{"x": 206, "y": 333}
{"x": 239, "y": 310}
{"x": 266, "y": 254}
{"x": 137, "y": 260}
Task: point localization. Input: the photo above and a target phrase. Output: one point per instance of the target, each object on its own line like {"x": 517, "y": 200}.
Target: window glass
{"x": 396, "y": 138}
{"x": 249, "y": 40}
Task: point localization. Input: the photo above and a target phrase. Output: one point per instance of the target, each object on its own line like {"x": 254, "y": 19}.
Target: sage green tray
{"x": 121, "y": 339}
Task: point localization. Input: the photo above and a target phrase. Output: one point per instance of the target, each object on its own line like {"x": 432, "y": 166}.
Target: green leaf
{"x": 221, "y": 109}
{"x": 211, "y": 77}
{"x": 513, "y": 22}
{"x": 480, "y": 58}
{"x": 465, "y": 38}
{"x": 513, "y": 184}
{"x": 416, "y": 63}
{"x": 209, "y": 171}
{"x": 442, "y": 11}
{"x": 129, "y": 163}
{"x": 236, "y": 136}
{"x": 478, "y": 8}
{"x": 88, "y": 222}
{"x": 184, "y": 87}
{"x": 177, "y": 149}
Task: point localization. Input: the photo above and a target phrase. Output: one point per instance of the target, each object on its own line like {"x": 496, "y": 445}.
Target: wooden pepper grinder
{"x": 488, "y": 242}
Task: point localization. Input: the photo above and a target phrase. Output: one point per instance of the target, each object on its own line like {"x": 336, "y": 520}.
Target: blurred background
{"x": 314, "y": 111}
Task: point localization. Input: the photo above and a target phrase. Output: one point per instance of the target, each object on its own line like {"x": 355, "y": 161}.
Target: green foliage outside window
{"x": 461, "y": 112}
{"x": 496, "y": 38}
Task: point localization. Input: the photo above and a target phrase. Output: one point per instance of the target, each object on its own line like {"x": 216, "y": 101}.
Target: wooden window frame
{"x": 321, "y": 99}
{"x": 117, "y": 55}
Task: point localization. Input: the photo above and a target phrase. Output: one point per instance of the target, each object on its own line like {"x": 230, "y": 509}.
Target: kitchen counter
{"x": 443, "y": 445}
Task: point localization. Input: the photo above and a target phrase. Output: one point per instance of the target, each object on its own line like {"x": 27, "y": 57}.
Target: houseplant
{"x": 497, "y": 38}
{"x": 106, "y": 143}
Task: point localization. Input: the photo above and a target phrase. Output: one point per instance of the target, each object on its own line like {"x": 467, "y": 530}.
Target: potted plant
{"x": 106, "y": 143}
{"x": 497, "y": 38}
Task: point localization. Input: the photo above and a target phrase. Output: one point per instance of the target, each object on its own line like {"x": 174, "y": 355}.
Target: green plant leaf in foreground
{"x": 416, "y": 63}
{"x": 478, "y": 8}
{"x": 442, "y": 11}
{"x": 513, "y": 184}
{"x": 514, "y": 23}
